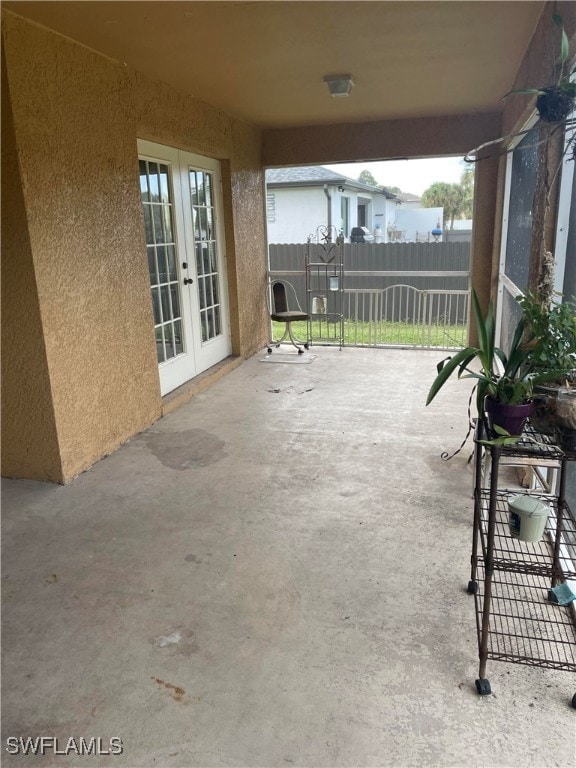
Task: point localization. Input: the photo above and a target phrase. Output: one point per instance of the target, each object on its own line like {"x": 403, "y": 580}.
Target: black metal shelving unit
{"x": 517, "y": 616}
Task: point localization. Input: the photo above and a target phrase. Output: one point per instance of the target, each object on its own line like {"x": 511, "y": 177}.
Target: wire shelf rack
{"x": 511, "y": 554}
{"x": 526, "y": 627}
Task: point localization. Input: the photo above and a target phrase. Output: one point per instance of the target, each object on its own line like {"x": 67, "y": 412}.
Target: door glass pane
{"x": 158, "y": 206}
{"x": 204, "y": 218}
{"x": 215, "y": 291}
{"x": 175, "y": 300}
{"x": 157, "y": 219}
{"x": 212, "y": 258}
{"x": 168, "y": 235}
{"x": 202, "y": 293}
{"x": 165, "y": 302}
{"x": 152, "y": 265}
{"x": 210, "y": 317}
{"x": 169, "y": 341}
{"x": 162, "y": 269}
{"x": 164, "y": 194}
{"x": 154, "y": 186}
{"x": 160, "y": 345}
{"x": 145, "y": 194}
{"x": 178, "y": 337}
{"x": 193, "y": 193}
{"x": 199, "y": 262}
{"x": 156, "y": 305}
{"x": 148, "y": 224}
{"x": 200, "y": 178}
{"x": 171, "y": 258}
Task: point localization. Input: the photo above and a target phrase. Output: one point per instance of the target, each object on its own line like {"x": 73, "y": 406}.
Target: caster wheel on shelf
{"x": 307, "y": 346}
{"x": 300, "y": 351}
{"x": 483, "y": 686}
{"x": 574, "y": 701}
{"x": 472, "y": 587}
{"x": 269, "y": 350}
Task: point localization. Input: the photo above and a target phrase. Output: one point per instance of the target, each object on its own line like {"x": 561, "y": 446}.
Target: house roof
{"x": 408, "y": 197}
{"x": 318, "y": 176}
{"x": 265, "y": 62}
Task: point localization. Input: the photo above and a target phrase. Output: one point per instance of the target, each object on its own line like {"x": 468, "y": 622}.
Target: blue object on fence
{"x": 563, "y": 594}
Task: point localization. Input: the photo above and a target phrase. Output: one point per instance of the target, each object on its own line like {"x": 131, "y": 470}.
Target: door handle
{"x": 188, "y": 281}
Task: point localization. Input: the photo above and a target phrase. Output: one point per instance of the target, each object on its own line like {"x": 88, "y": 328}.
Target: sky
{"x": 412, "y": 176}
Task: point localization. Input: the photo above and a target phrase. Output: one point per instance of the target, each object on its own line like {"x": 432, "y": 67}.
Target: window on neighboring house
{"x": 270, "y": 207}
{"x": 345, "y": 215}
{"x": 363, "y": 215}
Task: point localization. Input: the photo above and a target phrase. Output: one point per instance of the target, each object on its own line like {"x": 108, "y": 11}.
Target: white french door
{"x": 182, "y": 204}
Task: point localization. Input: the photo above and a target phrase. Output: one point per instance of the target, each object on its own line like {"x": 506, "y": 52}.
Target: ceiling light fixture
{"x": 339, "y": 85}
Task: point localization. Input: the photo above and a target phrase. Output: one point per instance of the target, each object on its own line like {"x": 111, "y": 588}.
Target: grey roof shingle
{"x": 305, "y": 173}
{"x": 311, "y": 175}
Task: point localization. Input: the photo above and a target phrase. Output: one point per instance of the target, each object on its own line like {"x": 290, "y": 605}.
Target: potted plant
{"x": 505, "y": 381}
{"x": 555, "y": 102}
{"x": 552, "y": 325}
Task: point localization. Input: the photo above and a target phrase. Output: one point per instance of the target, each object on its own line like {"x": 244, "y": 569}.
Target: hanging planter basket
{"x": 554, "y": 105}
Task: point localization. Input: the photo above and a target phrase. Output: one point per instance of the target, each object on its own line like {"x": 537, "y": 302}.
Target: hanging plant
{"x": 555, "y": 102}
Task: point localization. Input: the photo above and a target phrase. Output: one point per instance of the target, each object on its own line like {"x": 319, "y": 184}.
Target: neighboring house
{"x": 298, "y": 200}
{"x": 409, "y": 200}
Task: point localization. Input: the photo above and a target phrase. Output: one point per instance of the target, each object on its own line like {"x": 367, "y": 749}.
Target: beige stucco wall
{"x": 77, "y": 117}
{"x": 381, "y": 140}
{"x": 29, "y": 439}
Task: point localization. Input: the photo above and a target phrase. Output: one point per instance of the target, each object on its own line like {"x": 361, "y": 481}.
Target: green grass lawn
{"x": 372, "y": 334}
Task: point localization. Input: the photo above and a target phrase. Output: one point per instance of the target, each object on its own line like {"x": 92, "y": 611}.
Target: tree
{"x": 467, "y": 182}
{"x": 456, "y": 199}
{"x": 367, "y": 178}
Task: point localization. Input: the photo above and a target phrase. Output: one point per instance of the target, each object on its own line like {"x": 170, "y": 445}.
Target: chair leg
{"x": 293, "y": 340}
{"x": 288, "y": 334}
{"x": 277, "y": 343}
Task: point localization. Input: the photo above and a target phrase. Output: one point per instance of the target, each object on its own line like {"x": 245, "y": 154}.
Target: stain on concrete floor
{"x": 186, "y": 449}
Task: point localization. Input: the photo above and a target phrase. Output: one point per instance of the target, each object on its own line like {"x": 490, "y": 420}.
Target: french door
{"x": 182, "y": 204}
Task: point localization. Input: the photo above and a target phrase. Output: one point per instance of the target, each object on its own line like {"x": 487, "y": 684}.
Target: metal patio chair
{"x": 286, "y": 309}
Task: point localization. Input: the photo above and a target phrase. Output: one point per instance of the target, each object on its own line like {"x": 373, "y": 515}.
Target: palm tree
{"x": 456, "y": 199}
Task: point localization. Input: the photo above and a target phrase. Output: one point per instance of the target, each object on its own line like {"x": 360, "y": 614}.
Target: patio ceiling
{"x": 265, "y": 61}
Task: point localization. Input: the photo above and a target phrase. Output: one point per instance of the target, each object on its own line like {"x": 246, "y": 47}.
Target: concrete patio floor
{"x": 272, "y": 575}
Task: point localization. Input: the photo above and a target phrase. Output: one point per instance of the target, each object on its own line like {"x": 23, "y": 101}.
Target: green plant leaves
{"x": 564, "y": 44}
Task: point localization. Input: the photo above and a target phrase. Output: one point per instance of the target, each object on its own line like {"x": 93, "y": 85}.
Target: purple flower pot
{"x": 509, "y": 417}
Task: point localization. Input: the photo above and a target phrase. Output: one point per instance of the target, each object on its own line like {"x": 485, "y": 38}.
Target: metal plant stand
{"x": 518, "y": 617}
{"x": 324, "y": 265}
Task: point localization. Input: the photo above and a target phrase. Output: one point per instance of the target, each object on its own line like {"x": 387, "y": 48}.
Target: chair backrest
{"x": 279, "y": 296}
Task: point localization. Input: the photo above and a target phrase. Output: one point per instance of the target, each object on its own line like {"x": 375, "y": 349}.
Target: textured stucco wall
{"x": 77, "y": 117}
{"x": 29, "y": 440}
{"x": 424, "y": 137}
{"x": 75, "y": 134}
